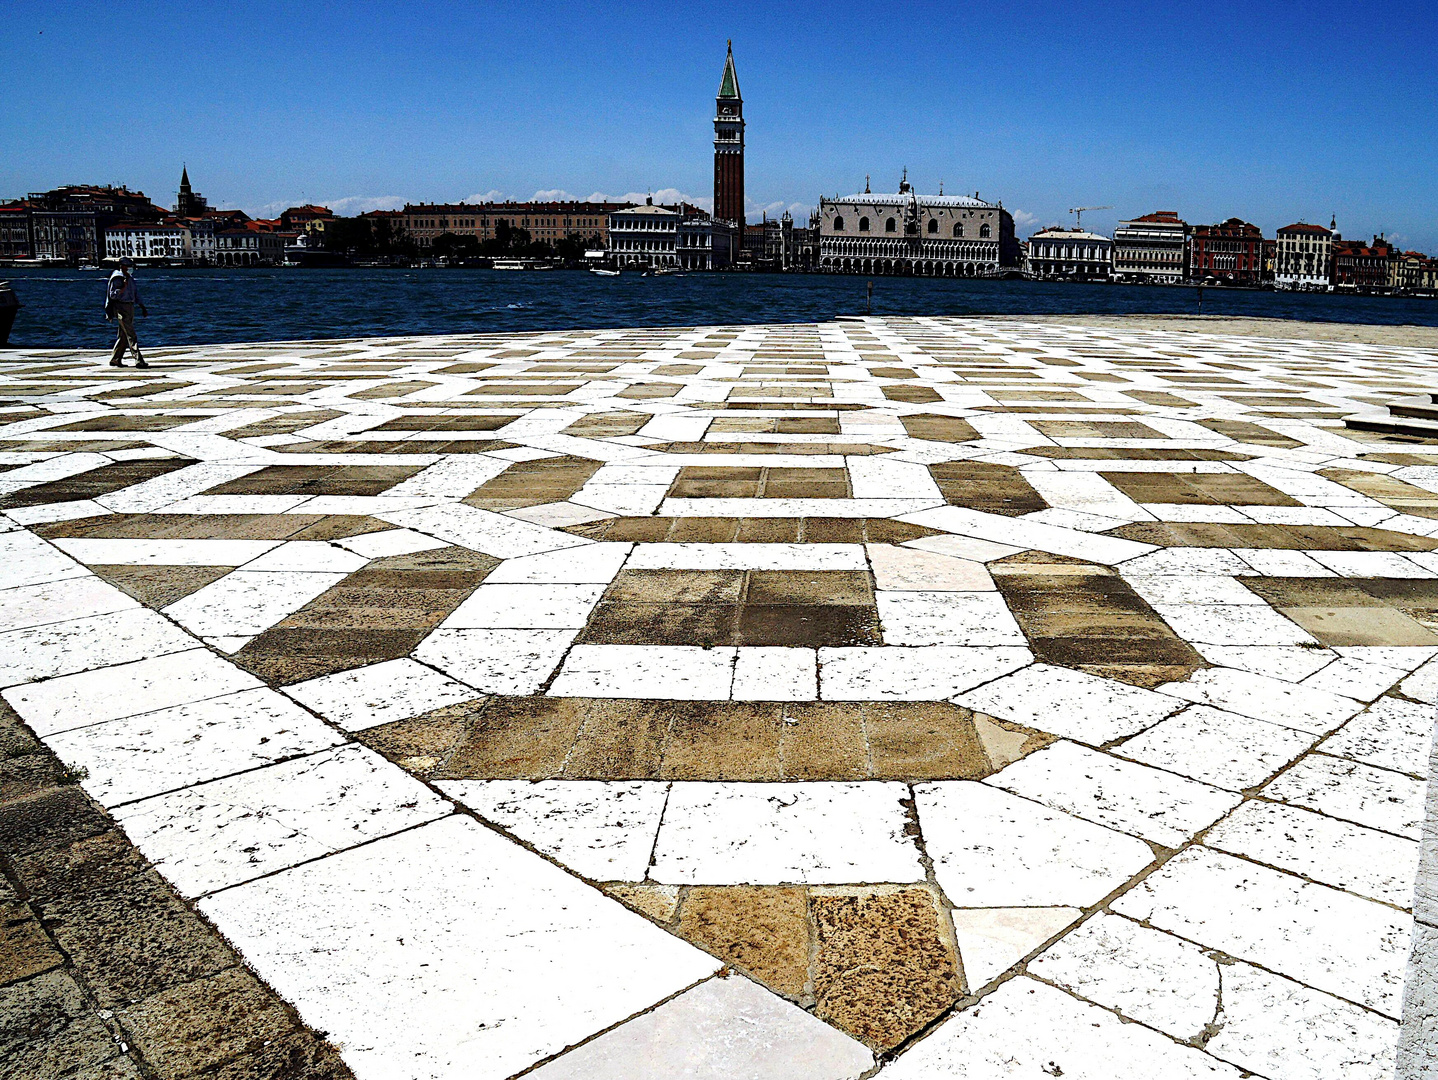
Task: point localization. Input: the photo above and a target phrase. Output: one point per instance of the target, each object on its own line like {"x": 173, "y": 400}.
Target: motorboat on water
{"x": 603, "y": 272}
{"x": 521, "y": 264}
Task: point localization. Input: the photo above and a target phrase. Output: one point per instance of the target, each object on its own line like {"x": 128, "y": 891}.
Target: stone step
{"x": 1389, "y": 424}
{"x": 1417, "y": 408}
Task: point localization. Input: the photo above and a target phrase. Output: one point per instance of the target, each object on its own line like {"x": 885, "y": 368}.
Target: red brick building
{"x": 15, "y": 231}
{"x": 1361, "y": 266}
{"x": 1231, "y": 253}
{"x": 729, "y": 147}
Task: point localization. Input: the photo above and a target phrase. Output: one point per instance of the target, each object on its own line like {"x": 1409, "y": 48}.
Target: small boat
{"x": 510, "y": 264}
{"x": 602, "y": 272}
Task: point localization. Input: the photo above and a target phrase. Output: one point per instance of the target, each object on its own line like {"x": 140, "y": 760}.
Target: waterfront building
{"x": 1151, "y": 248}
{"x": 1303, "y": 257}
{"x": 202, "y": 239}
{"x": 188, "y": 203}
{"x": 248, "y": 247}
{"x": 1405, "y": 270}
{"x": 68, "y": 224}
{"x": 751, "y": 244}
{"x": 1230, "y": 253}
{"x": 908, "y": 233}
{"x": 1362, "y": 267}
{"x": 1428, "y": 277}
{"x": 228, "y": 219}
{"x": 544, "y": 221}
{"x": 729, "y": 146}
{"x": 704, "y": 243}
{"x": 644, "y": 236}
{"x": 309, "y": 219}
{"x": 161, "y": 241}
{"x": 783, "y": 246}
{"x": 15, "y": 241}
{"x": 1069, "y": 253}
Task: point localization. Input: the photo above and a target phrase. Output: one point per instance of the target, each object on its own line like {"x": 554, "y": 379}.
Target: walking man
{"x": 121, "y": 297}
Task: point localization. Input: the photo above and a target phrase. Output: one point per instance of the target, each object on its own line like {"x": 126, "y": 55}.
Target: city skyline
{"x": 371, "y": 112}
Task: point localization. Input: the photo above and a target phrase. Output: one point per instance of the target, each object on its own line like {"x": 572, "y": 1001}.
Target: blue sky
{"x": 1270, "y": 111}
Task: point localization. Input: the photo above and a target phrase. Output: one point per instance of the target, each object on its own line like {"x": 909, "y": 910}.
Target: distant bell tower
{"x": 189, "y": 204}
{"x": 729, "y": 146}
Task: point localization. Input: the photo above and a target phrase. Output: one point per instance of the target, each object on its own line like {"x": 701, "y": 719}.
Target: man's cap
{"x": 127, "y": 261}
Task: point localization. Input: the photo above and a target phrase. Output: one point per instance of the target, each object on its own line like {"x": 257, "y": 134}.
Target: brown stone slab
{"x": 923, "y": 741}
{"x": 995, "y": 489}
{"x": 1365, "y": 625}
{"x": 723, "y": 741}
{"x": 884, "y": 967}
{"x": 90, "y": 485}
{"x": 762, "y": 930}
{"x": 160, "y": 586}
{"x": 823, "y": 741}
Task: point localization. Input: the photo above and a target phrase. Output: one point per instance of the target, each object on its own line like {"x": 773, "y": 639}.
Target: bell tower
{"x": 729, "y": 146}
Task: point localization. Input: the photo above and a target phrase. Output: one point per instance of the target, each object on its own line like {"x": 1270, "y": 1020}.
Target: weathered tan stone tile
{"x": 884, "y": 966}
{"x": 658, "y": 902}
{"x": 157, "y": 586}
{"x": 810, "y": 626}
{"x": 516, "y": 738}
{"x": 89, "y": 485}
{"x": 923, "y": 741}
{"x": 1367, "y": 625}
{"x": 823, "y": 741}
{"x": 620, "y": 740}
{"x": 763, "y": 930}
{"x": 996, "y": 489}
{"x": 729, "y": 740}
{"x": 205, "y": 1023}
{"x": 676, "y": 587}
{"x": 422, "y": 745}
{"x": 24, "y": 948}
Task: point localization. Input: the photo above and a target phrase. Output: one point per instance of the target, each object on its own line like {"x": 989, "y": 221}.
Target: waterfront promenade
{"x": 920, "y": 697}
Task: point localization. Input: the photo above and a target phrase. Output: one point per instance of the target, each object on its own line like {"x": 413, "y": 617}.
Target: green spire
{"x": 729, "y": 86}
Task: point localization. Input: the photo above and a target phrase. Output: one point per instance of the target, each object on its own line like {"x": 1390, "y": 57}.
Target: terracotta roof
{"x": 1304, "y": 227}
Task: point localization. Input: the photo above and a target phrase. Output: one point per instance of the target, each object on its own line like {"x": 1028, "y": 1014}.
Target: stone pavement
{"x": 936, "y": 697}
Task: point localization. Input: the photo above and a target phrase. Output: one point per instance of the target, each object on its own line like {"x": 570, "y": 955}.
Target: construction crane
{"x": 1079, "y": 210}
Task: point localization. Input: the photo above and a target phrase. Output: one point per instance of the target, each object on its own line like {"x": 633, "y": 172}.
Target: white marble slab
{"x": 218, "y": 834}
{"x": 601, "y": 830}
{"x": 812, "y": 833}
{"x": 993, "y": 849}
{"x": 160, "y": 751}
{"x": 400, "y": 983}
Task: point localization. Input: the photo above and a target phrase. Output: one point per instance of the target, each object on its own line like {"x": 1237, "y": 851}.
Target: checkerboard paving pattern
{"x": 890, "y": 694}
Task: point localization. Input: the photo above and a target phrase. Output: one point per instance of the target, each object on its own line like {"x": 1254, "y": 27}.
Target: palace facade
{"x": 908, "y": 233}
{"x": 1069, "y": 253}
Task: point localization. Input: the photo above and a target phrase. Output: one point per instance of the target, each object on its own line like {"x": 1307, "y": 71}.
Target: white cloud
{"x": 554, "y": 195}
{"x": 1023, "y": 219}
{"x": 797, "y": 210}
{"x": 270, "y": 209}
{"x": 352, "y": 205}
{"x": 347, "y": 206}
{"x": 484, "y": 197}
{"x": 666, "y": 195}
